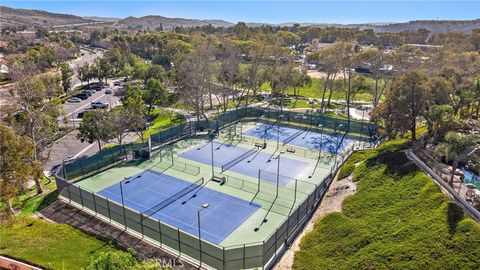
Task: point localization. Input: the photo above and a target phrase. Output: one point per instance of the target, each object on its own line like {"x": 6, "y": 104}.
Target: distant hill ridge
{"x": 154, "y": 21}
{"x": 31, "y": 18}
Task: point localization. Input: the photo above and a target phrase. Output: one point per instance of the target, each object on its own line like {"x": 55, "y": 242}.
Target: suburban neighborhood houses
{"x": 139, "y": 139}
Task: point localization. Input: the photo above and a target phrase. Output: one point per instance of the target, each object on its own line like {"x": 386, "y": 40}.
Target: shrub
{"x": 346, "y": 170}
{"x": 397, "y": 219}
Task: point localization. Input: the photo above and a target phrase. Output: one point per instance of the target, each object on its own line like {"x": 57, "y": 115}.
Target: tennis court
{"x": 247, "y": 161}
{"x": 176, "y": 202}
{"x": 331, "y": 143}
{"x": 262, "y": 183}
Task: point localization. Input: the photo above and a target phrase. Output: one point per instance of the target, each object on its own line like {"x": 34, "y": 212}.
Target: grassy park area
{"x": 163, "y": 119}
{"x": 50, "y": 246}
{"x": 315, "y": 90}
{"x": 397, "y": 219}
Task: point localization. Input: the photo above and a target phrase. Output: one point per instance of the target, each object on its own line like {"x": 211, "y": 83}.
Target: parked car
{"x": 82, "y": 113}
{"x": 82, "y": 96}
{"x": 95, "y": 86}
{"x": 98, "y": 105}
{"x": 74, "y": 100}
{"x": 108, "y": 91}
{"x": 87, "y": 92}
{"x": 117, "y": 83}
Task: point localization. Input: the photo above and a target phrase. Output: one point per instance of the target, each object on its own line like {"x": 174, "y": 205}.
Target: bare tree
{"x": 380, "y": 64}
{"x": 228, "y": 74}
{"x": 254, "y": 76}
{"x": 347, "y": 62}
{"x": 194, "y": 78}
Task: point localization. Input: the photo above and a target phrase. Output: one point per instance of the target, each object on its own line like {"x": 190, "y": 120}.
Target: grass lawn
{"x": 50, "y": 246}
{"x": 29, "y": 203}
{"x": 397, "y": 219}
{"x": 315, "y": 90}
{"x": 161, "y": 120}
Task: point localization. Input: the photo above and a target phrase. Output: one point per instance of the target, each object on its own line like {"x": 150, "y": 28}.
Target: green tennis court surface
{"x": 253, "y": 182}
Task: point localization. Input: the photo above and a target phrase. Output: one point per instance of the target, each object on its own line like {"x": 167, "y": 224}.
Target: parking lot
{"x": 72, "y": 109}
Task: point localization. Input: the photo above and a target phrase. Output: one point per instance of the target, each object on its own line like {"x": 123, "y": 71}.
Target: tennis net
{"x": 174, "y": 197}
{"x": 267, "y": 128}
{"x": 293, "y": 136}
{"x": 238, "y": 159}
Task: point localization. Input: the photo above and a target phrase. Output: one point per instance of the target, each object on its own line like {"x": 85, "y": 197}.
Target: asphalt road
{"x": 87, "y": 57}
{"x": 69, "y": 146}
{"x": 72, "y": 109}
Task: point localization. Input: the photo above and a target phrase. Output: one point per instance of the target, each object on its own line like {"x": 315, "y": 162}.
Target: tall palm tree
{"x": 455, "y": 147}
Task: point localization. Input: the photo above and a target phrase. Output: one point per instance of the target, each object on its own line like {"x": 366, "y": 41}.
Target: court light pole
{"x": 280, "y": 117}
{"x": 213, "y": 167}
{"x": 123, "y": 204}
{"x": 321, "y": 141}
{"x": 361, "y": 128}
{"x": 265, "y": 129}
{"x": 338, "y": 144}
{"x": 278, "y": 171}
{"x": 204, "y": 206}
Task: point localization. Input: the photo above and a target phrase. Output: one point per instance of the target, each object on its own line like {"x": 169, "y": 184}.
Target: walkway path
{"x": 332, "y": 202}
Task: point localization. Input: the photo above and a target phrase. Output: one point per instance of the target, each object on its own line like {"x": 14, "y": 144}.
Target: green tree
{"x": 134, "y": 109}
{"x": 440, "y": 120}
{"x": 242, "y": 31}
{"x": 95, "y": 126}
{"x": 405, "y": 101}
{"x": 300, "y": 79}
{"x": 126, "y": 71}
{"x": 154, "y": 93}
{"x": 66, "y": 73}
{"x": 456, "y": 147}
{"x": 104, "y": 69}
{"x": 16, "y": 167}
{"x": 38, "y": 116}
{"x": 288, "y": 38}
{"x": 120, "y": 121}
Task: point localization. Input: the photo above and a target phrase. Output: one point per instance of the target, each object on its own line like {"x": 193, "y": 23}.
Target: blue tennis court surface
{"x": 151, "y": 193}
{"x": 313, "y": 140}
{"x": 223, "y": 153}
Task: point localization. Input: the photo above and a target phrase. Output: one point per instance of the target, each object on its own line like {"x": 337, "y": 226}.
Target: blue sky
{"x": 266, "y": 11}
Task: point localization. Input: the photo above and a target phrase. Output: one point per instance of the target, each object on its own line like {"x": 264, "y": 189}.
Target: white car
{"x": 98, "y": 105}
{"x": 74, "y": 100}
{"x": 108, "y": 91}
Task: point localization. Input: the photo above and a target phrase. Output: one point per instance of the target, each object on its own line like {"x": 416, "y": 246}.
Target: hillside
{"x": 465, "y": 27}
{"x": 101, "y": 19}
{"x": 31, "y": 18}
{"x": 168, "y": 23}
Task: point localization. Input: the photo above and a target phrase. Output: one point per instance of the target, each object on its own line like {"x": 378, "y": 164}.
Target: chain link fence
{"x": 297, "y": 204}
